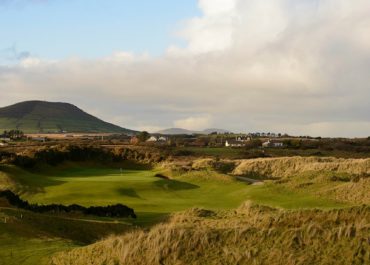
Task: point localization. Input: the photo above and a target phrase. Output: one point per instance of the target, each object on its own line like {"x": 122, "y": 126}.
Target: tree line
{"x": 13, "y": 134}
{"x": 117, "y": 210}
{"x": 76, "y": 153}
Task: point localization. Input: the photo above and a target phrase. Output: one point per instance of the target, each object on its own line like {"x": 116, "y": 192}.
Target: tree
{"x": 143, "y": 136}
{"x": 13, "y": 134}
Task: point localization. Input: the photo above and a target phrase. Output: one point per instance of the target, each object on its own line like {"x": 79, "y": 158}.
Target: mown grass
{"x": 152, "y": 197}
{"x": 25, "y": 246}
{"x": 30, "y": 238}
{"x": 19, "y": 250}
{"x": 148, "y": 195}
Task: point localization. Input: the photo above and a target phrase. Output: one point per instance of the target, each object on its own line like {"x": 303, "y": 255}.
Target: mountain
{"x": 176, "y": 131}
{"x": 211, "y": 130}
{"x": 53, "y": 117}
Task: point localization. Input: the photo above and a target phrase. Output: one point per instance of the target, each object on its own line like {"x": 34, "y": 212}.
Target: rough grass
{"x": 290, "y": 166}
{"x": 354, "y": 192}
{"x": 345, "y": 180}
{"x": 249, "y": 235}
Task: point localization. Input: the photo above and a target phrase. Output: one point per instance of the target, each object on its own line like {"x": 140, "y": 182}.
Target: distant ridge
{"x": 53, "y": 117}
{"x": 178, "y": 131}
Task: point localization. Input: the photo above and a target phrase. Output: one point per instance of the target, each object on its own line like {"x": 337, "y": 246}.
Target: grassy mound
{"x": 290, "y": 166}
{"x": 248, "y": 235}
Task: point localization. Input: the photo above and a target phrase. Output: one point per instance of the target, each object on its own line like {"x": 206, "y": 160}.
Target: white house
{"x": 270, "y": 143}
{"x": 152, "y": 139}
{"x": 234, "y": 143}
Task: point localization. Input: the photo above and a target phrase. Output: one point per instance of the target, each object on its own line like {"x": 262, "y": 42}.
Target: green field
{"x": 151, "y": 197}
{"x": 28, "y": 251}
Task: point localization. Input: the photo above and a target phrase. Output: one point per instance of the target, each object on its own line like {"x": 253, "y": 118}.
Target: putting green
{"x": 139, "y": 189}
{"x": 151, "y": 196}
{"x": 144, "y": 192}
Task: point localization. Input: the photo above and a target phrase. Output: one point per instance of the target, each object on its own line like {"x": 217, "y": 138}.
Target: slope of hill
{"x": 251, "y": 234}
{"x": 52, "y": 117}
{"x": 177, "y": 131}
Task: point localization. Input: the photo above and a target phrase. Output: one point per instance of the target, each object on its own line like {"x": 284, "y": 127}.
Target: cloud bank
{"x": 300, "y": 67}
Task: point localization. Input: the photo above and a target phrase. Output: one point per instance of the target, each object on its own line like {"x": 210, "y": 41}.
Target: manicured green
{"x": 151, "y": 196}
{"x": 139, "y": 189}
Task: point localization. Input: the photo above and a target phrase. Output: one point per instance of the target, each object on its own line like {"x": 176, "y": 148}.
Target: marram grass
{"x": 248, "y": 235}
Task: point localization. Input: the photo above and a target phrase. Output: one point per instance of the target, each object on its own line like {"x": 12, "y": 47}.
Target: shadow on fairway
{"x": 27, "y": 181}
{"x": 175, "y": 185}
{"x": 129, "y": 193}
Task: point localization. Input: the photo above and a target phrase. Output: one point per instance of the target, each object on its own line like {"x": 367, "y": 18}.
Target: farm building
{"x": 157, "y": 139}
{"x": 152, "y": 139}
{"x": 270, "y": 143}
{"x": 234, "y": 143}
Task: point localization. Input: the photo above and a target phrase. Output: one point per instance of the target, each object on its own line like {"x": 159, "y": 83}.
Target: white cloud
{"x": 276, "y": 65}
{"x": 31, "y": 62}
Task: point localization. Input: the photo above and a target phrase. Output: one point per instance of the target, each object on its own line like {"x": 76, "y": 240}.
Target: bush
{"x": 117, "y": 210}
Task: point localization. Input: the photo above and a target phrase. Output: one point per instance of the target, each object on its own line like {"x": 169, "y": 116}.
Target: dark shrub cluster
{"x": 76, "y": 153}
{"x": 117, "y": 210}
{"x": 54, "y": 156}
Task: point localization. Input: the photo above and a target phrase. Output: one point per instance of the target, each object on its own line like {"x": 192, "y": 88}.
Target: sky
{"x": 291, "y": 66}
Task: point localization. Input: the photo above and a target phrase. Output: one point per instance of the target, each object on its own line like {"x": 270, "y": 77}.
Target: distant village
{"x": 250, "y": 144}
{"x": 213, "y": 140}
{"x": 144, "y": 138}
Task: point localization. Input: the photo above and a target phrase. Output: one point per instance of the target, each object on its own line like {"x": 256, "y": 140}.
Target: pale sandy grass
{"x": 248, "y": 235}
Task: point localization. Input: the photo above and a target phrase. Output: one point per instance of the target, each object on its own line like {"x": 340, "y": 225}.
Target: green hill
{"x": 53, "y": 117}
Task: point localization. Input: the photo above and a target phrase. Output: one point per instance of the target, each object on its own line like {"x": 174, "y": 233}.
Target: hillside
{"x": 251, "y": 234}
{"x": 52, "y": 117}
{"x": 310, "y": 210}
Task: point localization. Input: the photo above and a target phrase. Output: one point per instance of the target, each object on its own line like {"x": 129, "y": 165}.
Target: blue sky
{"x": 57, "y": 29}
{"x": 295, "y": 66}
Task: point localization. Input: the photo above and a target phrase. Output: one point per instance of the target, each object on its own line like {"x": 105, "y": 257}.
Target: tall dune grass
{"x": 290, "y": 166}
{"x": 248, "y": 235}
